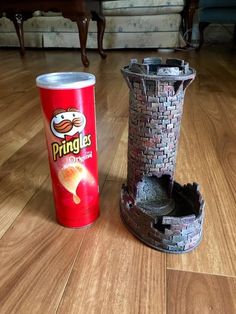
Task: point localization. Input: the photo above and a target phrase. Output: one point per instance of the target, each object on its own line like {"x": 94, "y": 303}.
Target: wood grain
{"x": 109, "y": 131}
{"x": 207, "y": 130}
{"x": 199, "y": 293}
{"x": 114, "y": 272}
{"x": 20, "y": 177}
{"x": 118, "y": 169}
{"x": 15, "y": 131}
{"x": 36, "y": 258}
{"x": 45, "y": 268}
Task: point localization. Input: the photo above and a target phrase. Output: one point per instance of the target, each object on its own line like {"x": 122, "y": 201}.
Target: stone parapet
{"x": 175, "y": 234}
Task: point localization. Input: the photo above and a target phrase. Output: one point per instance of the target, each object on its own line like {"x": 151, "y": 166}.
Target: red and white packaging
{"x": 68, "y": 107}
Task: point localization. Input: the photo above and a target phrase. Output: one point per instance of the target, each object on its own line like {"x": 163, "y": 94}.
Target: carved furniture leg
{"x": 83, "y": 23}
{"x": 101, "y": 24}
{"x": 202, "y": 26}
{"x": 190, "y": 15}
{"x": 18, "y": 23}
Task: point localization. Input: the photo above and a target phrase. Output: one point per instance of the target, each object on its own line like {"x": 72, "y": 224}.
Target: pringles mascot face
{"x": 67, "y": 122}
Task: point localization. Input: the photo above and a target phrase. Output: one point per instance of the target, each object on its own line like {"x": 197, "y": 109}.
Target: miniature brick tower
{"x": 156, "y": 209}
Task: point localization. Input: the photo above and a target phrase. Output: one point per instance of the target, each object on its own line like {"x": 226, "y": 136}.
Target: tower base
{"x": 178, "y": 232}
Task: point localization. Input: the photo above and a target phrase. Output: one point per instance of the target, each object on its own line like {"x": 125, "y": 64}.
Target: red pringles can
{"x": 68, "y": 107}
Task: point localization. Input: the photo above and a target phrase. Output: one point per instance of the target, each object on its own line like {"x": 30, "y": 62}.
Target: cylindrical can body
{"x": 69, "y": 118}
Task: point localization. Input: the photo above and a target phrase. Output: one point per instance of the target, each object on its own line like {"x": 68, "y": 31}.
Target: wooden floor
{"x": 45, "y": 268}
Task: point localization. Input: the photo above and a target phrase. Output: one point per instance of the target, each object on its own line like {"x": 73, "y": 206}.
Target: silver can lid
{"x": 65, "y": 80}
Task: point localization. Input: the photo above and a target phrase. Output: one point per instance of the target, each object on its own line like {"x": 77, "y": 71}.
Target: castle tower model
{"x": 155, "y": 208}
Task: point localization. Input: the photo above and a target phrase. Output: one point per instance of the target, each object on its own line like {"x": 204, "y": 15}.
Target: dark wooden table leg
{"x": 83, "y": 23}
{"x": 188, "y": 15}
{"x": 101, "y": 24}
{"x": 18, "y": 21}
{"x": 202, "y": 26}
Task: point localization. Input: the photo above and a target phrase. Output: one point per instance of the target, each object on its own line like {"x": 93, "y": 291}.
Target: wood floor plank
{"x": 44, "y": 267}
{"x": 111, "y": 95}
{"x": 199, "y": 293}
{"x": 114, "y": 272}
{"x": 118, "y": 169}
{"x": 36, "y": 258}
{"x": 109, "y": 132}
{"x": 16, "y": 134}
{"x": 202, "y": 158}
{"x": 20, "y": 177}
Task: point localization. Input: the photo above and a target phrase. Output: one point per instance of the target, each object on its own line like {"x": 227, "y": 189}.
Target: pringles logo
{"x": 68, "y": 125}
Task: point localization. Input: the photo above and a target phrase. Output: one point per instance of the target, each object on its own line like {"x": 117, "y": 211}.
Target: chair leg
{"x": 101, "y": 24}
{"x": 190, "y": 14}
{"x": 18, "y": 23}
{"x": 202, "y": 26}
{"x": 83, "y": 24}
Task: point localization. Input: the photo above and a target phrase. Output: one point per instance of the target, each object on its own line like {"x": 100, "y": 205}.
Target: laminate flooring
{"x": 46, "y": 268}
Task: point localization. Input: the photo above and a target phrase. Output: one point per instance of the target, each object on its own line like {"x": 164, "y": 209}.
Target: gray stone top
{"x": 155, "y": 68}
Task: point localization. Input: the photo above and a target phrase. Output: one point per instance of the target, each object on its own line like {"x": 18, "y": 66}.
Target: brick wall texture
{"x": 155, "y": 112}
{"x": 154, "y": 124}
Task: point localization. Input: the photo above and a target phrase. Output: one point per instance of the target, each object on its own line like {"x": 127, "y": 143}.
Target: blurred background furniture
{"x": 79, "y": 11}
{"x": 129, "y": 24}
{"x": 209, "y": 12}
